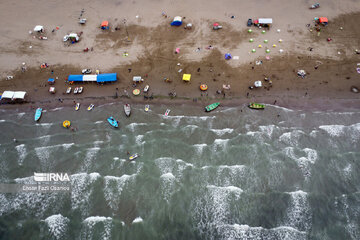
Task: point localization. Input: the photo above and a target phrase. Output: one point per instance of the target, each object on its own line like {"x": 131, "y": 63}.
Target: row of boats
{"x": 127, "y": 110}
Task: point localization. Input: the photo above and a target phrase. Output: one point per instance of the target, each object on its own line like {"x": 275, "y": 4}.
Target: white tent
{"x": 90, "y": 78}
{"x": 13, "y": 95}
{"x": 38, "y": 28}
{"x": 265, "y": 21}
{"x": 19, "y": 95}
{"x": 7, "y": 94}
{"x": 258, "y": 84}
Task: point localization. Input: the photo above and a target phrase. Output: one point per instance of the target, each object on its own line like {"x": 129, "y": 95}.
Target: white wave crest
{"x": 114, "y": 186}
{"x": 137, "y": 220}
{"x": 221, "y": 132}
{"x": 57, "y": 226}
{"x": 167, "y": 185}
{"x": 21, "y": 149}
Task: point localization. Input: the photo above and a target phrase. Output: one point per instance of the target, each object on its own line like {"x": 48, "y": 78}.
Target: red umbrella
{"x": 216, "y": 24}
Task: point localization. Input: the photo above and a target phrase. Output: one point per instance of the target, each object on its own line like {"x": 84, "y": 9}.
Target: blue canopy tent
{"x": 51, "y": 81}
{"x": 228, "y": 56}
{"x": 106, "y": 77}
{"x": 75, "y": 78}
{"x": 177, "y": 21}
{"x": 100, "y": 78}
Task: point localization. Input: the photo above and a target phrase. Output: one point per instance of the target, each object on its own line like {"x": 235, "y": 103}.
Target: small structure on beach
{"x": 138, "y": 79}
{"x": 104, "y": 25}
{"x": 258, "y": 84}
{"x": 13, "y": 96}
{"x": 51, "y": 81}
{"x": 72, "y": 37}
{"x": 321, "y": 20}
{"x": 39, "y": 29}
{"x": 216, "y": 26}
{"x": 52, "y": 90}
{"x": 186, "y": 77}
{"x": 263, "y": 22}
{"x": 100, "y": 78}
{"x": 177, "y": 21}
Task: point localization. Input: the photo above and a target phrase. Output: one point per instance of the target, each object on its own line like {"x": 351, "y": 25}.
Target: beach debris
{"x": 216, "y": 26}
{"x": 328, "y": 39}
{"x": 198, "y": 49}
{"x": 301, "y": 73}
{"x": 280, "y": 40}
{"x": 228, "y": 56}
{"x": 177, "y": 21}
{"x": 267, "y": 57}
{"x": 338, "y": 53}
{"x": 236, "y": 57}
{"x": 9, "y": 77}
{"x": 357, "y": 51}
{"x": 259, "y": 62}
{"x": 209, "y": 47}
{"x": 188, "y": 26}
{"x": 30, "y": 47}
{"x": 278, "y": 30}
{"x": 172, "y": 94}
{"x": 137, "y": 16}
{"x": 281, "y": 50}
{"x": 178, "y": 64}
{"x": 354, "y": 89}
{"x": 257, "y": 84}
{"x": 82, "y": 21}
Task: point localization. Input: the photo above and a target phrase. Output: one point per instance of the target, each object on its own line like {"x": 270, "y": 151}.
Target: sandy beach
{"x": 141, "y": 30}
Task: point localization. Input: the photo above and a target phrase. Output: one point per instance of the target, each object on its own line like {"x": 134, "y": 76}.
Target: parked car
{"x": 249, "y": 22}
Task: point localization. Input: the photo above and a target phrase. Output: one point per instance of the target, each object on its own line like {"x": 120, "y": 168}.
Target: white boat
{"x": 167, "y": 112}
{"x": 80, "y": 89}
{"x": 68, "y": 90}
{"x": 127, "y": 109}
{"x": 77, "y": 106}
{"x": 146, "y": 88}
{"x": 76, "y": 90}
{"x": 90, "y": 107}
{"x": 147, "y": 108}
{"x": 133, "y": 157}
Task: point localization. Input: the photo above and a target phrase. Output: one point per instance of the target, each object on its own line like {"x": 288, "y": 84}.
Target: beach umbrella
{"x": 136, "y": 92}
{"x": 253, "y": 50}
{"x": 274, "y": 45}
{"x": 216, "y": 24}
{"x": 251, "y": 40}
{"x": 260, "y": 46}
{"x": 228, "y": 56}
{"x": 267, "y": 50}
{"x": 249, "y": 31}
{"x": 263, "y": 31}
{"x": 203, "y": 87}
{"x": 280, "y": 40}
{"x": 265, "y": 41}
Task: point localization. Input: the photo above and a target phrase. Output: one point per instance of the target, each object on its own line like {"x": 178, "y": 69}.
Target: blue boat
{"x": 38, "y": 114}
{"x": 113, "y": 122}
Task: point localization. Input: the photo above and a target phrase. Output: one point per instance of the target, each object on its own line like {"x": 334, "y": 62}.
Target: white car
{"x": 66, "y": 37}
{"x": 146, "y": 89}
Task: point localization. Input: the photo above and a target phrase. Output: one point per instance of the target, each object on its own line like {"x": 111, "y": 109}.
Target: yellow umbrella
{"x": 66, "y": 124}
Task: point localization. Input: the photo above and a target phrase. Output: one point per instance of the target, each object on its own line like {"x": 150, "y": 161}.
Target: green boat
{"x": 211, "y": 107}
{"x": 257, "y": 106}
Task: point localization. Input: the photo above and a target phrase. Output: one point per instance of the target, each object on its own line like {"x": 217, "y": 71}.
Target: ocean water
{"x": 233, "y": 173}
